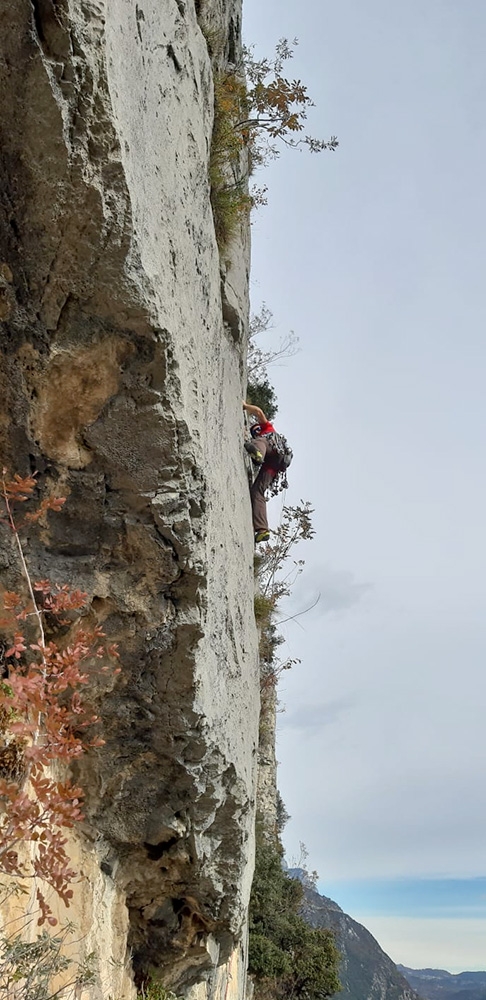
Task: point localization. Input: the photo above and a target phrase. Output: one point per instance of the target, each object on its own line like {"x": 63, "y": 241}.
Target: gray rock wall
{"x": 121, "y": 379}
{"x": 267, "y": 760}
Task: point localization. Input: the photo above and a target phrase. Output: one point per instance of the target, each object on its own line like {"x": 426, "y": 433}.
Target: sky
{"x": 374, "y": 255}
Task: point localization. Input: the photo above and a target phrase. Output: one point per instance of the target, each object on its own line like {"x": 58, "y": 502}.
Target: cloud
{"x": 340, "y": 591}
{"x": 335, "y": 591}
{"x": 311, "y": 716}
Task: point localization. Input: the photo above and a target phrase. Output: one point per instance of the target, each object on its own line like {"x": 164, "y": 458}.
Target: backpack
{"x": 281, "y": 447}
{"x": 282, "y": 450}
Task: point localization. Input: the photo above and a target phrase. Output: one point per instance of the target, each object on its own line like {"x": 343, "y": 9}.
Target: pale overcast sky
{"x": 375, "y": 256}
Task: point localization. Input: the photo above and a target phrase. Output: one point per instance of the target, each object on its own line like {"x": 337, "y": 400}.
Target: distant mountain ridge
{"x": 437, "y": 984}
{"x": 366, "y": 972}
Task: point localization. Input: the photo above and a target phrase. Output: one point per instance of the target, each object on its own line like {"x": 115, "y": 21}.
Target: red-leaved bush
{"x": 42, "y": 715}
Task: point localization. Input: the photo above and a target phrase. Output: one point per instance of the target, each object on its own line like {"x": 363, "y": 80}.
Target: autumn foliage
{"x": 256, "y": 109}
{"x": 276, "y": 106}
{"x": 44, "y": 723}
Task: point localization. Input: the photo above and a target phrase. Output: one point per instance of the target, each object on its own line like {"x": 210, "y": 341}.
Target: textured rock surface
{"x": 121, "y": 381}
{"x": 267, "y": 760}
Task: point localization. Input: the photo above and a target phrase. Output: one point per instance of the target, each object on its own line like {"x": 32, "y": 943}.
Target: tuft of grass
{"x": 264, "y": 606}
{"x": 269, "y": 639}
{"x": 257, "y": 562}
{"x": 156, "y": 991}
{"x": 215, "y": 40}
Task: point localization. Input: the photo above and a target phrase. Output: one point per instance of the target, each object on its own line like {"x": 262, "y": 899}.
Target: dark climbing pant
{"x": 258, "y": 502}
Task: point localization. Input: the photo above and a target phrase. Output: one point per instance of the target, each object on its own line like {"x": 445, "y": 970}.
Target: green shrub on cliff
{"x": 262, "y": 394}
{"x": 152, "y": 990}
{"x": 287, "y": 958}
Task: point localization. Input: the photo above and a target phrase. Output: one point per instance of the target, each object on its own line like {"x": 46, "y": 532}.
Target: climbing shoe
{"x": 261, "y": 536}
{"x": 255, "y": 455}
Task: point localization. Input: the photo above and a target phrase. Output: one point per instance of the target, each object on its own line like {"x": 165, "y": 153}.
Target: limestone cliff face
{"x": 267, "y": 760}
{"x": 121, "y": 378}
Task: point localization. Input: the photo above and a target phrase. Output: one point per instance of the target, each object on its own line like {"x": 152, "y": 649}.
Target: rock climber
{"x": 262, "y": 454}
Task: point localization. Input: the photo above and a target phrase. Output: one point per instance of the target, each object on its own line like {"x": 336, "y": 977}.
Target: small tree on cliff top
{"x": 254, "y": 108}
{"x": 276, "y": 108}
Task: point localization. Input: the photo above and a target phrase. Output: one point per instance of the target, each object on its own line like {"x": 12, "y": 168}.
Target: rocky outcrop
{"x": 366, "y": 972}
{"x": 267, "y": 759}
{"x": 122, "y": 368}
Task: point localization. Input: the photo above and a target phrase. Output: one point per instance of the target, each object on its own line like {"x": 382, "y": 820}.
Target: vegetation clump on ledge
{"x": 230, "y": 199}
{"x": 287, "y": 958}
